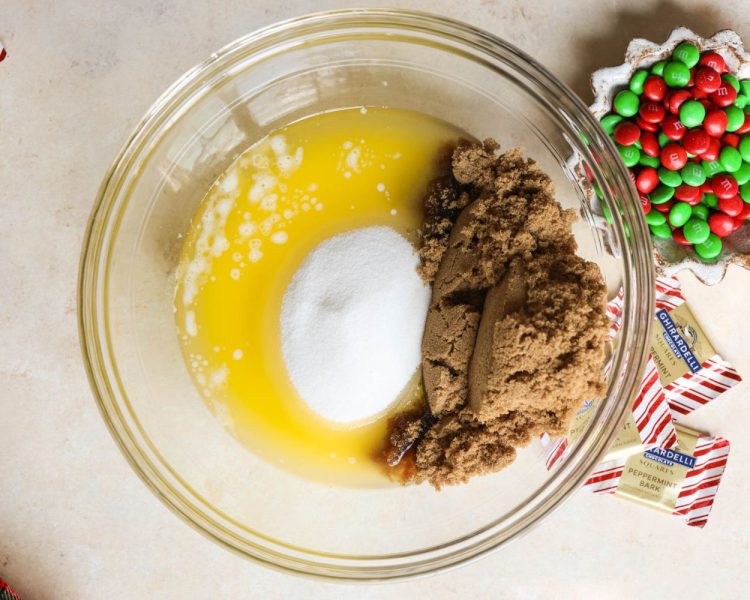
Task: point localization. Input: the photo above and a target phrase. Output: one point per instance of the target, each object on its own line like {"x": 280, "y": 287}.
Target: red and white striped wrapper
{"x": 6, "y": 592}
{"x": 651, "y": 413}
{"x": 696, "y": 496}
{"x": 716, "y": 376}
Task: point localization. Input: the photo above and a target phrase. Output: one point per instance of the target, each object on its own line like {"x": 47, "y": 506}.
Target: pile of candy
{"x": 680, "y": 128}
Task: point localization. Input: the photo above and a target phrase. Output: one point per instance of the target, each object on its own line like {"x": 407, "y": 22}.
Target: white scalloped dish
{"x": 670, "y": 257}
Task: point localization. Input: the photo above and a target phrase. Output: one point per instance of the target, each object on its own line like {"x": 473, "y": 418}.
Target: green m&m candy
{"x": 711, "y": 200}
{"x": 687, "y": 53}
{"x": 710, "y": 248}
{"x": 670, "y": 178}
{"x": 636, "y": 82}
{"x": 732, "y": 80}
{"x": 629, "y": 154}
{"x": 741, "y": 101}
{"x": 735, "y": 118}
{"x": 693, "y": 174}
{"x": 679, "y": 214}
{"x": 730, "y": 159}
{"x": 692, "y": 113}
{"x": 626, "y": 103}
{"x": 658, "y": 68}
{"x": 696, "y": 231}
{"x": 676, "y": 74}
{"x": 744, "y": 192}
{"x": 744, "y": 148}
{"x": 663, "y": 139}
{"x": 655, "y": 218}
{"x": 742, "y": 175}
{"x": 700, "y": 212}
{"x": 648, "y": 161}
{"x": 745, "y": 87}
{"x": 662, "y": 193}
{"x": 661, "y": 231}
{"x": 609, "y": 122}
{"x": 711, "y": 168}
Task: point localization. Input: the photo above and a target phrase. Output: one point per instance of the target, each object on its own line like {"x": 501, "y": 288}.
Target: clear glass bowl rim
{"x": 637, "y": 282}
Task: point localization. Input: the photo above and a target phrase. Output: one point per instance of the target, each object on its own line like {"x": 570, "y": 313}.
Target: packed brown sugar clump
{"x": 514, "y": 337}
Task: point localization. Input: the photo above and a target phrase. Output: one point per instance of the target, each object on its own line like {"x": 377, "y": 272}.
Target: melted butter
{"x": 300, "y": 185}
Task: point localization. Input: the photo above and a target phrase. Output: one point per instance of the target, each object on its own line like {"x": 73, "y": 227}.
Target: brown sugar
{"x": 514, "y": 337}
{"x": 541, "y": 332}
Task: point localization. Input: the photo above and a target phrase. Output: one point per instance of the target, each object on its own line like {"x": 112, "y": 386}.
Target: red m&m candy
{"x": 652, "y": 112}
{"x": 715, "y": 123}
{"x": 725, "y": 186}
{"x": 731, "y": 206}
{"x": 745, "y": 127}
{"x": 698, "y": 94}
{"x": 707, "y": 80}
{"x": 745, "y": 212}
{"x": 679, "y": 237}
{"x": 627, "y": 133}
{"x": 713, "y": 60}
{"x": 664, "y": 207}
{"x": 673, "y": 157}
{"x": 724, "y": 96}
{"x": 721, "y": 224}
{"x": 688, "y": 193}
{"x": 673, "y": 128}
{"x": 654, "y": 88}
{"x": 674, "y": 99}
{"x": 650, "y": 144}
{"x": 730, "y": 139}
{"x": 646, "y": 126}
{"x": 646, "y": 204}
{"x": 696, "y": 141}
{"x": 647, "y": 180}
{"x": 712, "y": 152}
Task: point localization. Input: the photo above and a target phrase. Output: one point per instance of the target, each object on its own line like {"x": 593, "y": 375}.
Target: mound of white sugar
{"x": 352, "y": 321}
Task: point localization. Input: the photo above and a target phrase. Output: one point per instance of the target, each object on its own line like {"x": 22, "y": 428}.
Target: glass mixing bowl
{"x": 194, "y": 131}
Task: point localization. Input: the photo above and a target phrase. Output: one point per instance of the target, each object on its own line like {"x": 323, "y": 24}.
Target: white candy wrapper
{"x": 682, "y": 481}
{"x": 690, "y": 370}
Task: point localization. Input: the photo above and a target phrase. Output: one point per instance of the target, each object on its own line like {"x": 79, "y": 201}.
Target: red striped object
{"x": 696, "y": 496}
{"x": 716, "y": 376}
{"x": 6, "y": 592}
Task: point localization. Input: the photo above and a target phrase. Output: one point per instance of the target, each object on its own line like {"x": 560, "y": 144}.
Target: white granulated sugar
{"x": 352, "y": 321}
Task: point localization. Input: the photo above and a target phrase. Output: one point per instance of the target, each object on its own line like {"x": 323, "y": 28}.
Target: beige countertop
{"x": 75, "y": 522}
